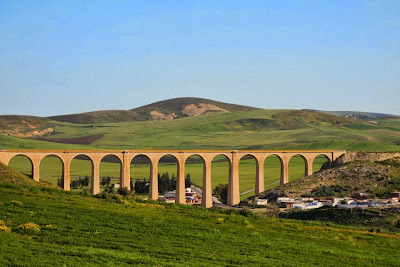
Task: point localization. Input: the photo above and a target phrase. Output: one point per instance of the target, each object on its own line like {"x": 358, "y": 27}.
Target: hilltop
{"x": 162, "y": 110}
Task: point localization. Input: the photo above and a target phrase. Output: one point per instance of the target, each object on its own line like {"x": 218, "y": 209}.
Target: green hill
{"x": 253, "y": 129}
{"x": 195, "y": 123}
{"x": 42, "y": 227}
{"x": 12, "y": 176}
{"x": 163, "y": 110}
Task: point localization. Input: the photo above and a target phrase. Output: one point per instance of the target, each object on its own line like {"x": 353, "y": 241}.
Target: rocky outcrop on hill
{"x": 351, "y": 156}
{"x": 366, "y": 173}
{"x": 25, "y": 126}
{"x": 156, "y": 115}
{"x": 36, "y": 133}
{"x": 200, "y": 109}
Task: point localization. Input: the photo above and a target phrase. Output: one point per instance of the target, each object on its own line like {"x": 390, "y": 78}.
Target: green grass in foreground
{"x": 78, "y": 230}
{"x": 51, "y": 168}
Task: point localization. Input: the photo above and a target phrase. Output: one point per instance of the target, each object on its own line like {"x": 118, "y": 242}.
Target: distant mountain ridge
{"x": 162, "y": 110}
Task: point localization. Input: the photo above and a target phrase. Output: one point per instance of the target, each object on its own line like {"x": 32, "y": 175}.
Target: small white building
{"x": 284, "y": 200}
{"x": 306, "y": 199}
{"x": 352, "y": 204}
{"x": 116, "y": 185}
{"x": 170, "y": 194}
{"x": 261, "y": 202}
{"x": 308, "y": 206}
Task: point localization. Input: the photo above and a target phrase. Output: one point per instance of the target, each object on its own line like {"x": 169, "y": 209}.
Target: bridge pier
{"x": 153, "y": 183}
{"x": 284, "y": 171}
{"x": 95, "y": 186}
{"x": 259, "y": 176}
{"x": 36, "y": 169}
{"x": 66, "y": 177}
{"x": 125, "y": 175}
{"x": 180, "y": 183}
{"x": 233, "y": 188}
{"x": 206, "y": 197}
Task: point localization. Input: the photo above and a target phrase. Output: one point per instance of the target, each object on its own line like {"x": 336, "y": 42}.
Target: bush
{"x": 16, "y": 202}
{"x": 221, "y": 191}
{"x": 3, "y": 227}
{"x": 327, "y": 191}
{"x": 123, "y": 191}
{"x": 28, "y": 228}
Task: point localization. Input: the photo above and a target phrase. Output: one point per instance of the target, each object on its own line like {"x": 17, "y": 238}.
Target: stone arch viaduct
{"x": 126, "y": 156}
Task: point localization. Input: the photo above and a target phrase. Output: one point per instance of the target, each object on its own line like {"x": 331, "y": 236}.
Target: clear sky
{"x": 61, "y": 57}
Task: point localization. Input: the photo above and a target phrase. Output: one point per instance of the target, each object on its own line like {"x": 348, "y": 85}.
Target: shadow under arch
{"x": 51, "y": 169}
{"x": 81, "y": 172}
{"x": 140, "y": 173}
{"x": 220, "y": 173}
{"x": 297, "y": 167}
{"x": 22, "y": 163}
{"x": 321, "y": 162}
{"x": 273, "y": 168}
{"x": 110, "y": 173}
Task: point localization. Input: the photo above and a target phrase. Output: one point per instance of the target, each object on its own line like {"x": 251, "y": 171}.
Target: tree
{"x": 142, "y": 186}
{"x": 221, "y": 191}
{"x": 188, "y": 182}
{"x": 105, "y": 181}
{"x": 84, "y": 181}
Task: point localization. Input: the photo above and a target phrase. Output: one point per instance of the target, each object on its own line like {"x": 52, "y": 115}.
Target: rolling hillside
{"x": 201, "y": 124}
{"x": 163, "y": 110}
{"x": 44, "y": 226}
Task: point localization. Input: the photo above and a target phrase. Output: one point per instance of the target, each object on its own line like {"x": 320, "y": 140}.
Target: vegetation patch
{"x": 378, "y": 220}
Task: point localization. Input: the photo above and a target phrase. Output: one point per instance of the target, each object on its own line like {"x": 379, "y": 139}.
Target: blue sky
{"x": 61, "y": 57}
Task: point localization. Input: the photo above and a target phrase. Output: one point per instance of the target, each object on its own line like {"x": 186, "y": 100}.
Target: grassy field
{"x": 73, "y": 230}
{"x": 256, "y": 129}
{"x": 51, "y": 170}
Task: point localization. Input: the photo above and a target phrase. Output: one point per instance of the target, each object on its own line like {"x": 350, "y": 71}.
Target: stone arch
{"x": 317, "y": 162}
{"x": 273, "y": 170}
{"x": 141, "y": 175}
{"x": 295, "y": 171}
{"x": 168, "y": 166}
{"x": 221, "y": 169}
{"x": 198, "y": 170}
{"x": 195, "y": 170}
{"x": 84, "y": 175}
{"x": 248, "y": 171}
{"x": 48, "y": 173}
{"x": 195, "y": 154}
{"x": 107, "y": 174}
{"x": 19, "y": 161}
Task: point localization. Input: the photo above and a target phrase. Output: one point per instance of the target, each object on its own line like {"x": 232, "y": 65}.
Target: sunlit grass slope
{"x": 255, "y": 129}
{"x": 85, "y": 231}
